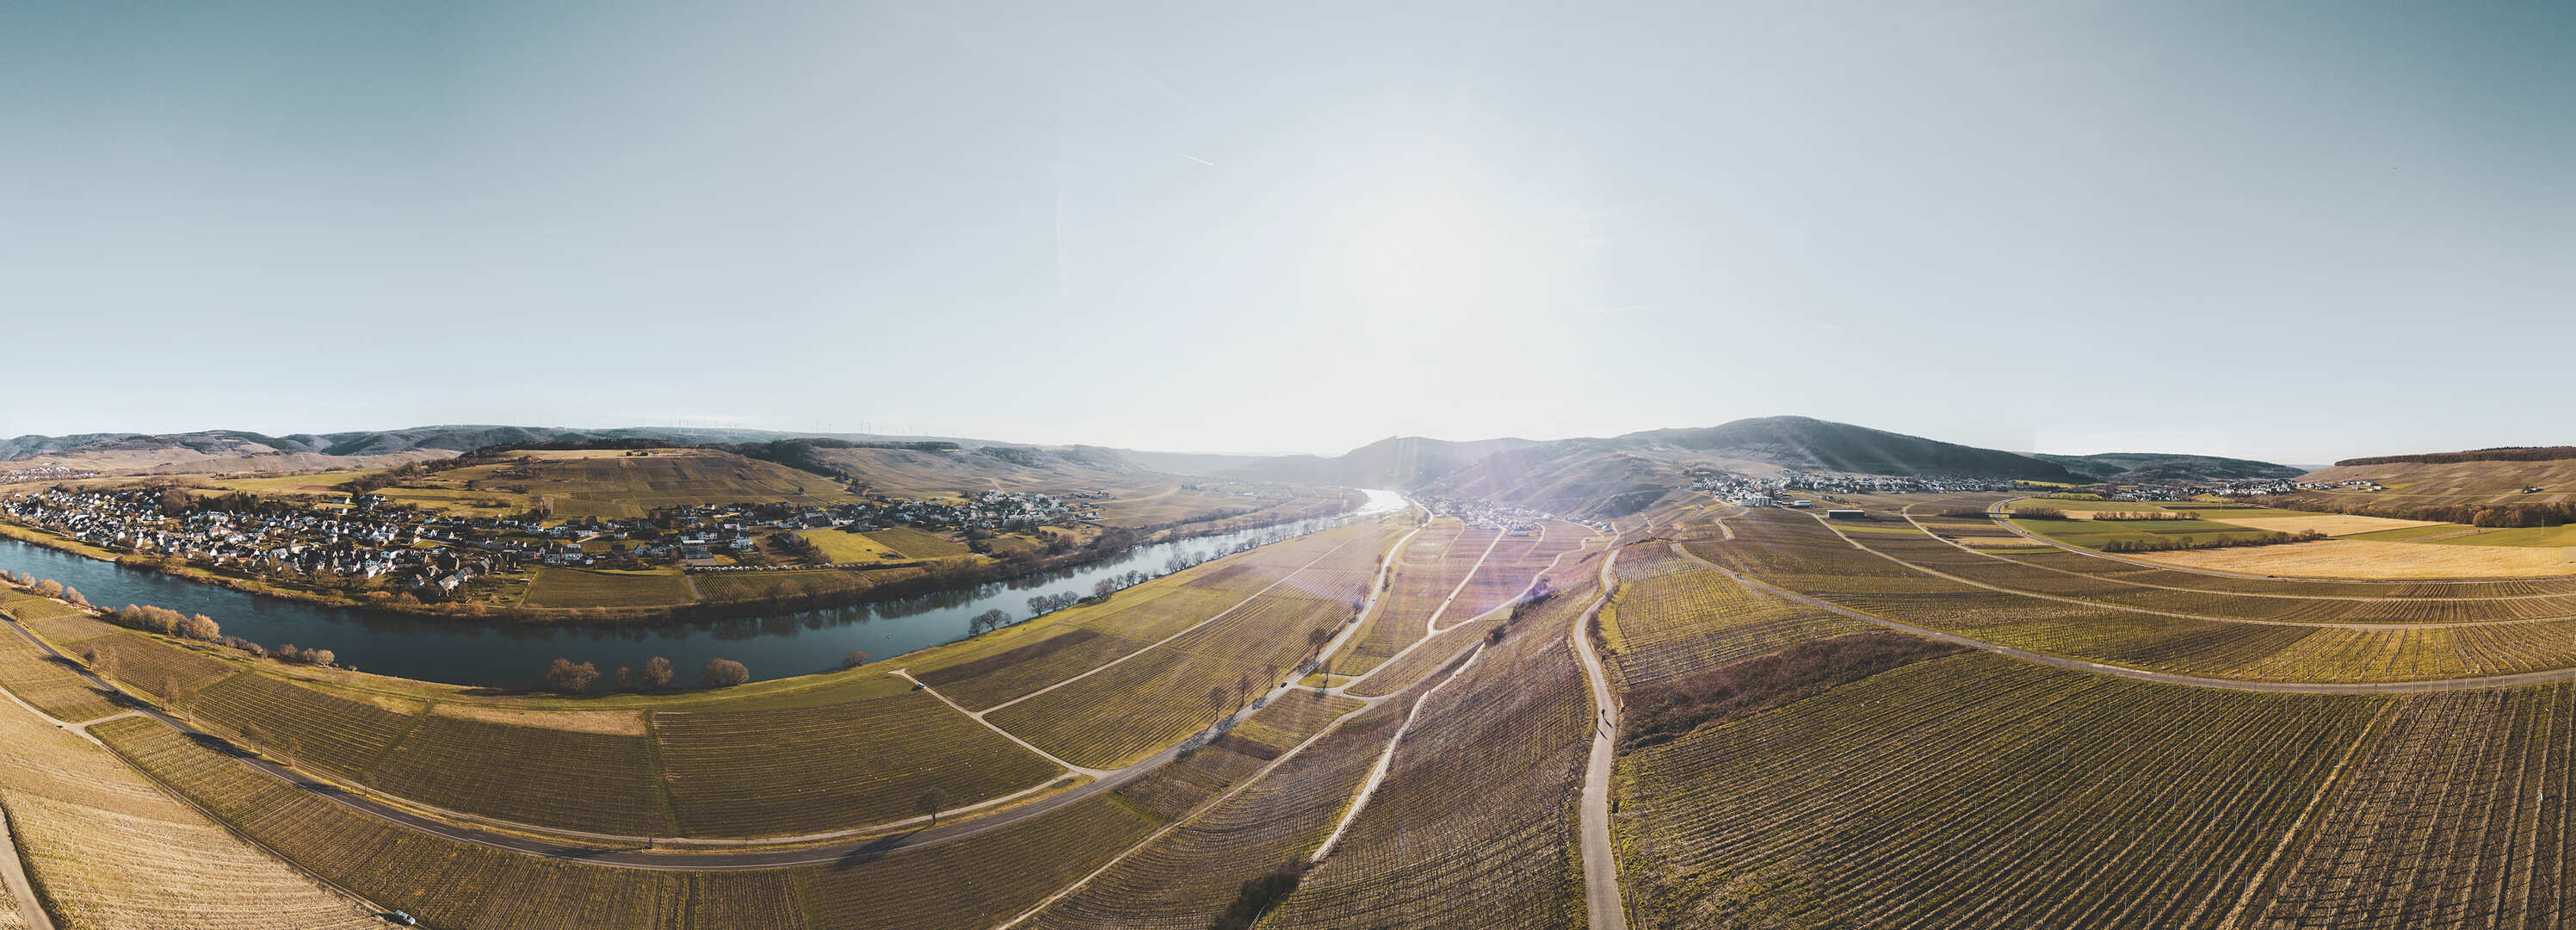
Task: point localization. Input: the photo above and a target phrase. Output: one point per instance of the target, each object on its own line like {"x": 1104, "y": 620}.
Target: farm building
{"x": 1846, "y": 513}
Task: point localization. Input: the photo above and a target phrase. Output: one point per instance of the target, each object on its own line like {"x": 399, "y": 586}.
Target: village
{"x": 369, "y": 542}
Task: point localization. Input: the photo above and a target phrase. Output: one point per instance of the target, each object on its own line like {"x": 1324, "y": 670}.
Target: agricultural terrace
{"x": 1157, "y": 695}
{"x": 2360, "y": 547}
{"x": 1180, "y": 878}
{"x": 1802, "y": 554}
{"x": 613, "y": 484}
{"x": 47, "y": 684}
{"x": 111, "y": 852}
{"x": 1976, "y": 790}
{"x": 800, "y": 756}
{"x": 1474, "y": 824}
{"x": 576, "y": 587}
{"x": 1671, "y": 616}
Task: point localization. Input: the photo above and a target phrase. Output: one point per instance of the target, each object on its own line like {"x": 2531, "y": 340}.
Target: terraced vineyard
{"x": 1979, "y": 791}
{"x": 112, "y": 853}
{"x": 1474, "y": 824}
{"x": 1671, "y": 617}
{"x": 810, "y": 769}
{"x": 46, "y": 683}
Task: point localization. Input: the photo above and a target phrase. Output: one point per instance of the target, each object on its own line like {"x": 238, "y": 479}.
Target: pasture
{"x": 579, "y": 588}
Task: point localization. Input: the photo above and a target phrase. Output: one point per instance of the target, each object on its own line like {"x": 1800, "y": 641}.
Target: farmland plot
{"x": 43, "y": 681}
{"x": 334, "y": 734}
{"x": 1474, "y": 825}
{"x": 812, "y": 769}
{"x": 1978, "y": 791}
{"x": 2456, "y": 818}
{"x": 113, "y": 853}
{"x": 594, "y": 782}
{"x": 1671, "y": 617}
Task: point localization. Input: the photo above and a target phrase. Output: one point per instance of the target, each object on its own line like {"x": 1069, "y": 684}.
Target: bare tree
{"x": 856, "y": 658}
{"x": 725, "y": 673}
{"x": 570, "y": 678}
{"x": 929, "y": 803}
{"x": 1216, "y": 695}
{"x": 656, "y": 674}
{"x": 625, "y": 678}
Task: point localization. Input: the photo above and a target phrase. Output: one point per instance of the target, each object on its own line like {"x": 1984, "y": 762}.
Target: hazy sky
{"x": 2287, "y": 231}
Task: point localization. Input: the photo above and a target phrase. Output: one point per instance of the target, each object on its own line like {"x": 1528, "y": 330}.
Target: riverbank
{"x": 935, "y": 576}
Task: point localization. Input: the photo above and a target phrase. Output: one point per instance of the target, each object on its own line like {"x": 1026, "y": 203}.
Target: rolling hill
{"x": 2481, "y": 476}
{"x": 2165, "y": 466}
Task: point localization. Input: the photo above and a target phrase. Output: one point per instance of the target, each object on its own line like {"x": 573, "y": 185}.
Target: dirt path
{"x": 1600, "y": 858}
{"x": 14, "y": 874}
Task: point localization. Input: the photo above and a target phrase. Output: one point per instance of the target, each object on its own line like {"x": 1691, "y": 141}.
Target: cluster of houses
{"x": 43, "y": 473}
{"x": 371, "y": 541}
{"x": 1513, "y": 521}
{"x": 1751, "y": 491}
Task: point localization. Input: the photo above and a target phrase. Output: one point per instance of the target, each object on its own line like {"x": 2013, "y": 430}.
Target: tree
{"x": 1242, "y": 689}
{"x": 73, "y": 595}
{"x": 103, "y": 663}
{"x": 199, "y": 627}
{"x": 656, "y": 674}
{"x": 1216, "y": 695}
{"x": 570, "y": 678}
{"x": 988, "y": 621}
{"x": 625, "y": 678}
{"x": 1105, "y": 588}
{"x": 930, "y": 802}
{"x": 320, "y": 656}
{"x": 49, "y": 588}
{"x": 856, "y": 658}
{"x": 725, "y": 673}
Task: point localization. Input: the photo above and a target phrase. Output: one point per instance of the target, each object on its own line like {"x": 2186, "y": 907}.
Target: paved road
{"x": 1600, "y": 858}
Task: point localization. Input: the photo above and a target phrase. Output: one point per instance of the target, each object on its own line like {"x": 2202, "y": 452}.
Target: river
{"x": 473, "y": 653}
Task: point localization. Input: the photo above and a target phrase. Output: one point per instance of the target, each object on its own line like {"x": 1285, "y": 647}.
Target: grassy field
{"x": 47, "y": 684}
{"x": 576, "y": 587}
{"x": 916, "y": 544}
{"x": 2368, "y": 559}
{"x": 1977, "y": 791}
{"x": 841, "y": 546}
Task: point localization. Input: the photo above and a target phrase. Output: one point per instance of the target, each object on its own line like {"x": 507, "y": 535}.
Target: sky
{"x": 2289, "y": 231}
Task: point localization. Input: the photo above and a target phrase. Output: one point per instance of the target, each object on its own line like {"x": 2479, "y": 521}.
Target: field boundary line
{"x": 1552, "y": 565}
{"x": 1998, "y": 506}
{"x": 1432, "y": 624}
{"x": 2254, "y": 885}
{"x": 1006, "y": 734}
{"x": 1386, "y": 760}
{"x": 2418, "y": 686}
{"x": 1212, "y": 618}
{"x": 2104, "y": 605}
{"x": 1908, "y": 513}
{"x": 1601, "y": 895}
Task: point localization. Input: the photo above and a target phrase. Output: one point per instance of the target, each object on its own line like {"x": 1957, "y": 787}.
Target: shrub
{"x": 570, "y": 678}
{"x": 725, "y": 673}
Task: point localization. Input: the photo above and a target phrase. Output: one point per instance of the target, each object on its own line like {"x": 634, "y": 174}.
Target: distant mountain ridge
{"x": 2166, "y": 466}
{"x": 144, "y": 450}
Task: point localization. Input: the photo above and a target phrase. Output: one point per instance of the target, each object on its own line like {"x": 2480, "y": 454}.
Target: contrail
{"x": 1200, "y": 160}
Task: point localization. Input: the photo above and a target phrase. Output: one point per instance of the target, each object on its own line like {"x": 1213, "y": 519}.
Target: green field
{"x": 916, "y": 544}
{"x": 576, "y": 587}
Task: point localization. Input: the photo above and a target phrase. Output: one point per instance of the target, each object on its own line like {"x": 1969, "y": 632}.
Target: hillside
{"x": 1821, "y": 445}
{"x": 2441, "y": 481}
{"x": 1623, "y": 473}
{"x": 208, "y": 451}
{"x": 2164, "y": 466}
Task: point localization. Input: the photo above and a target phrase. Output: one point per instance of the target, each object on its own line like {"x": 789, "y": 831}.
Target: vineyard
{"x": 1474, "y": 824}
{"x": 2457, "y": 818}
{"x": 1429, "y": 567}
{"x": 1181, "y": 878}
{"x": 43, "y": 681}
{"x": 809, "y": 769}
{"x": 112, "y": 853}
{"x": 1671, "y": 617}
{"x": 1978, "y": 791}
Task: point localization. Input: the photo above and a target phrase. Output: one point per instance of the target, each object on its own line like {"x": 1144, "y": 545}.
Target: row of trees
{"x": 570, "y": 677}
{"x": 167, "y": 622}
{"x": 2221, "y": 542}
